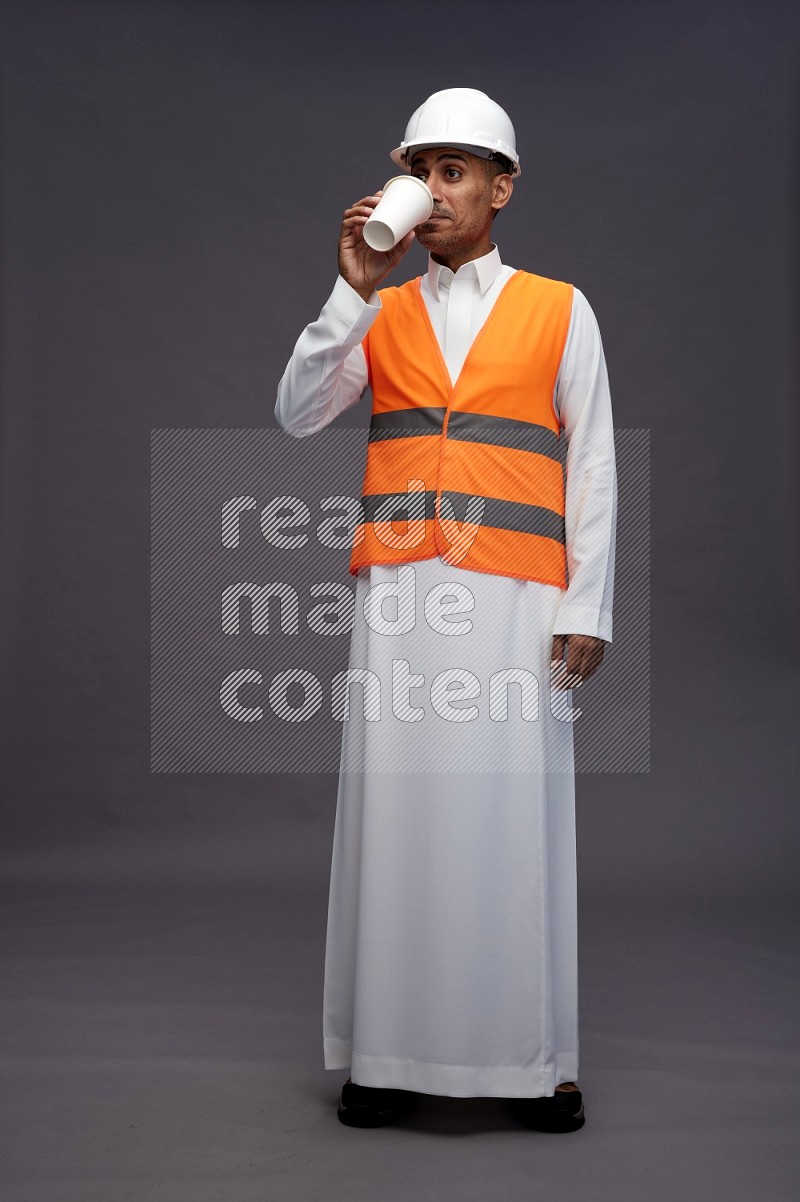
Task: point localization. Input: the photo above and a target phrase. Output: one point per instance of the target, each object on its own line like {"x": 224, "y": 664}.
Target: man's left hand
{"x": 584, "y": 656}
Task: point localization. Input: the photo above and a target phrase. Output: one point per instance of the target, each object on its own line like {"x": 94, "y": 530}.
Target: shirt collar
{"x": 485, "y": 270}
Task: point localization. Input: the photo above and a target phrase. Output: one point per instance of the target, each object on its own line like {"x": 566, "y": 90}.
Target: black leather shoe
{"x": 366, "y": 1106}
{"x": 561, "y": 1112}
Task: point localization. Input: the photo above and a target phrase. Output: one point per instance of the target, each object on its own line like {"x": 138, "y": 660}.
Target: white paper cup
{"x": 407, "y": 201}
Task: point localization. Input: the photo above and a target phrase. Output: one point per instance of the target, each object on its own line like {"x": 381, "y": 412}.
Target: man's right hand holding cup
{"x": 362, "y": 267}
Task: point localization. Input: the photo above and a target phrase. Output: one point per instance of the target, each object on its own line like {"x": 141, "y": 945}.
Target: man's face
{"x": 464, "y": 195}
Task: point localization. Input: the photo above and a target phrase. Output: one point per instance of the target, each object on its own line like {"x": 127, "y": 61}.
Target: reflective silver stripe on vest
{"x": 503, "y": 515}
{"x": 398, "y": 506}
{"x": 406, "y": 423}
{"x": 466, "y": 427}
{"x": 503, "y": 432}
{"x": 512, "y": 515}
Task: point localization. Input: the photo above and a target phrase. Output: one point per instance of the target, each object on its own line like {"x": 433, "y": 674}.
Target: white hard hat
{"x": 464, "y": 119}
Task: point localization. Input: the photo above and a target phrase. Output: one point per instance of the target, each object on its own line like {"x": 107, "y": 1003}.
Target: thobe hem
{"x": 451, "y": 1080}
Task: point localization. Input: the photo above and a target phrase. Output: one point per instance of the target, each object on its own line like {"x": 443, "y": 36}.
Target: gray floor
{"x": 161, "y": 1027}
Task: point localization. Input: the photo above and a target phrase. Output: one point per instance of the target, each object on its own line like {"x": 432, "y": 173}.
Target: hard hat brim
{"x": 481, "y": 152}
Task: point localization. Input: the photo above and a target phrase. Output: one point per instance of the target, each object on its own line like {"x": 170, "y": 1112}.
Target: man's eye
{"x": 453, "y": 171}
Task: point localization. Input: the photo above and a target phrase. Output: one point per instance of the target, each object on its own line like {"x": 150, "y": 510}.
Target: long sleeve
{"x": 583, "y": 400}
{"x": 327, "y": 372}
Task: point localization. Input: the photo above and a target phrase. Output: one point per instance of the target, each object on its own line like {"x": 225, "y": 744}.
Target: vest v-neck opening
{"x": 450, "y": 386}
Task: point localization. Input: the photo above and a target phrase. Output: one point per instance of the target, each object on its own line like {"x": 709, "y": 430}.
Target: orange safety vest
{"x": 471, "y": 473}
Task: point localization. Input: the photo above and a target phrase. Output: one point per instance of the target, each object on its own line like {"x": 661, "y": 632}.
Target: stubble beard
{"x": 443, "y": 239}
{"x": 446, "y": 240}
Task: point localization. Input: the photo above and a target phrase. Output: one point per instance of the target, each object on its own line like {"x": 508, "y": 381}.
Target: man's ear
{"x": 502, "y": 187}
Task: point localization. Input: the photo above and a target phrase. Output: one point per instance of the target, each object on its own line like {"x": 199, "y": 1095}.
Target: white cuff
{"x": 348, "y": 309}
{"x": 583, "y": 619}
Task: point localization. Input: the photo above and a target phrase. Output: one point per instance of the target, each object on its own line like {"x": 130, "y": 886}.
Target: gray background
{"x": 173, "y": 177}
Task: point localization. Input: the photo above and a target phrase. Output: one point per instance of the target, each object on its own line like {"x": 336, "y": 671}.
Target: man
{"x": 451, "y": 959}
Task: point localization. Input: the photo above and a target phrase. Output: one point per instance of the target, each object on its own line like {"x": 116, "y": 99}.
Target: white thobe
{"x": 451, "y": 954}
